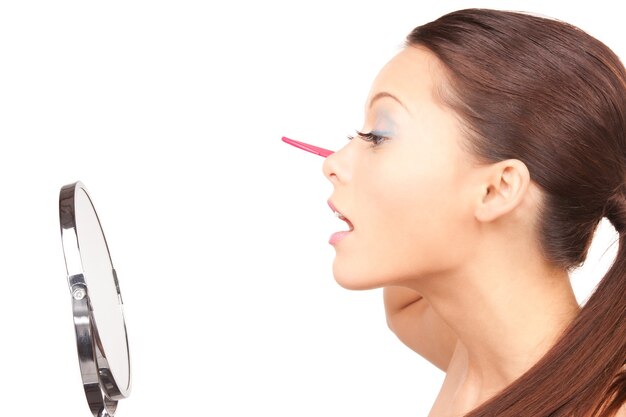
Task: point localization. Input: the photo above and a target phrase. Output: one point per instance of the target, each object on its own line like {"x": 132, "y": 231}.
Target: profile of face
{"x": 405, "y": 188}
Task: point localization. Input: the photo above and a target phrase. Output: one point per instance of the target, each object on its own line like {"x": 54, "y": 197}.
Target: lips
{"x": 337, "y": 237}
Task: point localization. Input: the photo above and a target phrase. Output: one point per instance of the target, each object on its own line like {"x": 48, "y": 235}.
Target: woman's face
{"x": 406, "y": 198}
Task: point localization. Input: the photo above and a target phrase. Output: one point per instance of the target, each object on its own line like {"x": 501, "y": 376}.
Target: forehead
{"x": 413, "y": 75}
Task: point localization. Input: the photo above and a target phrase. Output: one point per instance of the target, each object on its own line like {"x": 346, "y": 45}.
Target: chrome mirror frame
{"x": 101, "y": 389}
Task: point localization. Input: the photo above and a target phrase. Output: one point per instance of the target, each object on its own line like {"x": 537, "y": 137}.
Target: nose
{"x": 335, "y": 167}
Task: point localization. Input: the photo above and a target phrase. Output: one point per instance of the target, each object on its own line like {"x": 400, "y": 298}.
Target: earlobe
{"x": 505, "y": 185}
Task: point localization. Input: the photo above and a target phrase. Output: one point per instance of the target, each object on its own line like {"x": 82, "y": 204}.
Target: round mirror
{"x": 96, "y": 303}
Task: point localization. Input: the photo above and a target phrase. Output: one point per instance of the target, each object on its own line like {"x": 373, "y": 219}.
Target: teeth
{"x": 342, "y": 217}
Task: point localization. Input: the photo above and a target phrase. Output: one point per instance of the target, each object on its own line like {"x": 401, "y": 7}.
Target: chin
{"x": 355, "y": 280}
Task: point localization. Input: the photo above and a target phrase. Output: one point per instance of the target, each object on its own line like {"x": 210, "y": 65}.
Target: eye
{"x": 371, "y": 137}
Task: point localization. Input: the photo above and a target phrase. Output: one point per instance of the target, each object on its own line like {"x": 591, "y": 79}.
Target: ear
{"x": 505, "y": 185}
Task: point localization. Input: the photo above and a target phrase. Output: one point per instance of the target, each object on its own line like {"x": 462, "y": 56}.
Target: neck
{"x": 507, "y": 313}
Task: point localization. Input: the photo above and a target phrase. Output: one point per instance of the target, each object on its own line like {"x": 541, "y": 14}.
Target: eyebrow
{"x": 391, "y": 96}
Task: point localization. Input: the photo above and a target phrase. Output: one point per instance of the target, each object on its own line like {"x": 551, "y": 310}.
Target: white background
{"x": 171, "y": 113}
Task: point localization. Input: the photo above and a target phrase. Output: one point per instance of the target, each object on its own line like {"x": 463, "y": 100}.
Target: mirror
{"x": 101, "y": 337}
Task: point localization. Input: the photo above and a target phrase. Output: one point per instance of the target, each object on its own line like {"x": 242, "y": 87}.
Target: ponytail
{"x": 615, "y": 395}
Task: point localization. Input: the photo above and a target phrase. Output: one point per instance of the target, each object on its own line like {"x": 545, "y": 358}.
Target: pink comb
{"x": 309, "y": 148}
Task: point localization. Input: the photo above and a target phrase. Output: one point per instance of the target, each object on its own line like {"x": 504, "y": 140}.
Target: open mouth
{"x": 340, "y": 216}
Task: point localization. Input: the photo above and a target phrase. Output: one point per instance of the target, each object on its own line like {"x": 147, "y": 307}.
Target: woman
{"x": 493, "y": 145}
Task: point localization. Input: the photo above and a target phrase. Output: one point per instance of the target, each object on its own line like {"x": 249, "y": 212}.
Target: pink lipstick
{"x": 309, "y": 148}
{"x": 338, "y": 236}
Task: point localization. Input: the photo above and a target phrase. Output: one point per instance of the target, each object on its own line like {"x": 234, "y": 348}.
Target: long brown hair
{"x": 546, "y": 93}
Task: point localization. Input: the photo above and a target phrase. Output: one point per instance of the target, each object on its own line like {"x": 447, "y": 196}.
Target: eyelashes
{"x": 371, "y": 137}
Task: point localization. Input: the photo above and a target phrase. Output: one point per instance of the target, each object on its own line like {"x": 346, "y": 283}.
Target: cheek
{"x": 407, "y": 221}
{"x": 408, "y": 191}
{"x": 414, "y": 212}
